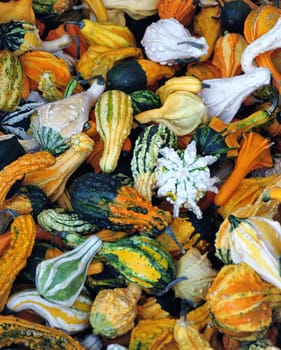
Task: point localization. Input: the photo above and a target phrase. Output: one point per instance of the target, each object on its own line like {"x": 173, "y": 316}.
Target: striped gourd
{"x": 61, "y": 279}
{"x": 145, "y": 155}
{"x": 58, "y": 219}
{"x": 114, "y": 118}
{"x": 11, "y": 81}
{"x": 141, "y": 260}
{"x": 70, "y": 319}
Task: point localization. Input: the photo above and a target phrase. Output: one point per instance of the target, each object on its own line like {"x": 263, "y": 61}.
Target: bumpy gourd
{"x": 240, "y": 303}
{"x": 141, "y": 260}
{"x": 111, "y": 202}
{"x": 15, "y": 330}
{"x": 61, "y": 279}
{"x": 114, "y": 311}
{"x": 23, "y": 232}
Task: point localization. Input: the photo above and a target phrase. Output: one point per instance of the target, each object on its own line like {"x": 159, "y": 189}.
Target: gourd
{"x": 59, "y": 220}
{"x": 182, "y": 83}
{"x": 114, "y": 119}
{"x": 70, "y": 319}
{"x": 224, "y": 96}
{"x": 110, "y": 202}
{"x": 152, "y": 332}
{"x": 144, "y": 99}
{"x": 36, "y": 63}
{"x": 107, "y": 34}
{"x": 98, "y": 60}
{"x": 260, "y": 31}
{"x": 141, "y": 260}
{"x": 17, "y": 10}
{"x": 137, "y": 74}
{"x": 17, "y": 122}
{"x": 188, "y": 337}
{"x": 98, "y": 9}
{"x": 23, "y": 232}
{"x": 227, "y": 54}
{"x": 145, "y": 154}
{"x": 240, "y": 303}
{"x": 252, "y": 240}
{"x": 28, "y": 200}
{"x": 114, "y": 311}
{"x": 183, "y": 11}
{"x": 15, "y": 330}
{"x": 66, "y": 117}
{"x": 133, "y": 8}
{"x": 18, "y": 168}
{"x": 20, "y": 37}
{"x": 206, "y": 24}
{"x": 47, "y": 7}
{"x": 254, "y": 153}
{"x": 197, "y": 269}
{"x": 11, "y": 80}
{"x": 61, "y": 279}
{"x": 168, "y": 42}
{"x": 233, "y": 15}
{"x": 182, "y": 112}
{"x": 52, "y": 180}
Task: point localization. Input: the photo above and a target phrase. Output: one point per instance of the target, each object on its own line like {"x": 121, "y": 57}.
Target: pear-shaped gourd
{"x": 182, "y": 112}
{"x": 65, "y": 117}
{"x": 61, "y": 279}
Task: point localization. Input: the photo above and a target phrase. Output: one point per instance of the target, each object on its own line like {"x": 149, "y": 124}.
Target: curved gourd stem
{"x": 168, "y": 230}
{"x": 170, "y": 286}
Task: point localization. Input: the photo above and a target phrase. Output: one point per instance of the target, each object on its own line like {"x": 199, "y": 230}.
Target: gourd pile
{"x": 140, "y": 174}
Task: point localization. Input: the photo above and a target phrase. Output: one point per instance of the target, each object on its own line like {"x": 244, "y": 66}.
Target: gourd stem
{"x": 191, "y": 43}
{"x": 56, "y": 44}
{"x": 185, "y": 306}
{"x": 170, "y": 285}
{"x": 170, "y": 233}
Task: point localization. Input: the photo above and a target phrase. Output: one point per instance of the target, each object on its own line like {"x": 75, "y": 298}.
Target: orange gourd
{"x": 254, "y": 153}
{"x": 182, "y": 10}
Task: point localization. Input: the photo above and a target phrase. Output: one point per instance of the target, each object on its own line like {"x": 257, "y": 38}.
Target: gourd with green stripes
{"x": 11, "y": 80}
{"x": 141, "y": 260}
{"x": 145, "y": 155}
{"x": 71, "y": 319}
{"x": 114, "y": 119}
{"x": 61, "y": 279}
{"x": 60, "y": 220}
{"x": 145, "y": 99}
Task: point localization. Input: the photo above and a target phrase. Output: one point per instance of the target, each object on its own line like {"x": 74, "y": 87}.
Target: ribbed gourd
{"x": 141, "y": 260}
{"x": 114, "y": 118}
{"x": 71, "y": 319}
{"x": 61, "y": 279}
{"x": 145, "y": 155}
{"x": 59, "y": 220}
{"x": 11, "y": 81}
{"x": 254, "y": 240}
{"x": 111, "y": 202}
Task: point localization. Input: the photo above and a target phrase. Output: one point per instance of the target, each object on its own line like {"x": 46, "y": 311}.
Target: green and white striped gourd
{"x": 61, "y": 279}
{"x": 71, "y": 319}
{"x": 141, "y": 260}
{"x": 58, "y": 219}
{"x": 11, "y": 80}
{"x": 145, "y": 154}
{"x": 114, "y": 118}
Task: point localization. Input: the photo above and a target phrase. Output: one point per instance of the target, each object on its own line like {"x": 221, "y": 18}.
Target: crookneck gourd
{"x": 15, "y": 330}
{"x": 52, "y": 180}
{"x": 23, "y": 232}
{"x": 111, "y": 202}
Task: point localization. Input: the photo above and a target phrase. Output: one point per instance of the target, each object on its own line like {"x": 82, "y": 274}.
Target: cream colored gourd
{"x": 224, "y": 96}
{"x": 167, "y": 41}
{"x": 182, "y": 112}
{"x": 134, "y": 8}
